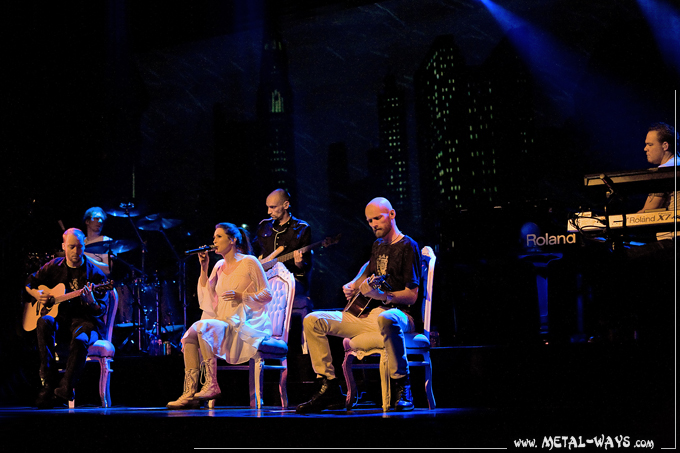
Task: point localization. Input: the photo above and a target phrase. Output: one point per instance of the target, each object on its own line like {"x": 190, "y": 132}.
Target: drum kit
{"x": 147, "y": 319}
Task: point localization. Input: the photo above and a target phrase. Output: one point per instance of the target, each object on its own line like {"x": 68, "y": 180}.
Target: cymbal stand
{"x": 138, "y": 296}
{"x": 137, "y": 277}
{"x": 181, "y": 277}
{"x": 156, "y": 347}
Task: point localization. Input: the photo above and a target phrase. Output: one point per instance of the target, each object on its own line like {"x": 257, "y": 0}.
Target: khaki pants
{"x": 391, "y": 324}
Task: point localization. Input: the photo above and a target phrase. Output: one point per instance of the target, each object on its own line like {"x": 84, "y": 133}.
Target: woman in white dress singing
{"x": 234, "y": 320}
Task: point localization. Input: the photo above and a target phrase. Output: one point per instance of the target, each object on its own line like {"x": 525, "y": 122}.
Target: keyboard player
{"x": 636, "y": 283}
{"x": 661, "y": 145}
{"x": 648, "y": 271}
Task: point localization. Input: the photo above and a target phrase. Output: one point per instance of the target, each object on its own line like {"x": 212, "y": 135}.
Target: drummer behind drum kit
{"x": 151, "y": 315}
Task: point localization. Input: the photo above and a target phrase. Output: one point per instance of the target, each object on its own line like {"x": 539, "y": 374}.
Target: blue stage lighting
{"x": 552, "y": 65}
{"x": 664, "y": 21}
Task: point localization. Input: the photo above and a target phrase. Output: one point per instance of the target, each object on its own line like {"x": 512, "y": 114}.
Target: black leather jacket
{"x": 294, "y": 235}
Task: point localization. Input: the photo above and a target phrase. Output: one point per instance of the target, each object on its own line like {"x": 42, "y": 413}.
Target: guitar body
{"x": 358, "y": 305}
{"x": 271, "y": 257}
{"x": 33, "y": 310}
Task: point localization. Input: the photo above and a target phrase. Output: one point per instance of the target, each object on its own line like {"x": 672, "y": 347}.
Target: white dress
{"x": 234, "y": 333}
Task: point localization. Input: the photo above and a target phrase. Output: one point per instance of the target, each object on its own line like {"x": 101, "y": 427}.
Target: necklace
{"x": 397, "y": 238}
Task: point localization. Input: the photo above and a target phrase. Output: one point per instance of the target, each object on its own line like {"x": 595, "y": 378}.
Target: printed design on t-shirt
{"x": 381, "y": 264}
{"x": 74, "y": 285}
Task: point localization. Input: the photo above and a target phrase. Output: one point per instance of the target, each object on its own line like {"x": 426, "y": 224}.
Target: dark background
{"x": 95, "y": 91}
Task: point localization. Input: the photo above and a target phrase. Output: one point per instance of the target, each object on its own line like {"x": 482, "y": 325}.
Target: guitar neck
{"x": 68, "y": 296}
{"x": 78, "y": 292}
{"x": 280, "y": 259}
{"x": 288, "y": 256}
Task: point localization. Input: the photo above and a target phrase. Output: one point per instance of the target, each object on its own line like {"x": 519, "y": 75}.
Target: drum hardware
{"x": 128, "y": 210}
{"x": 124, "y": 209}
{"x": 157, "y": 222}
{"x": 111, "y": 247}
{"x": 148, "y": 340}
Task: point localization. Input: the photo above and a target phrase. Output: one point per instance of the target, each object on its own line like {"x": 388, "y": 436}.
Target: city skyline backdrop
{"x": 117, "y": 89}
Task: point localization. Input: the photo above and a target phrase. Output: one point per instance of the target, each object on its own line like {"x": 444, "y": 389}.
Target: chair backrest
{"x": 429, "y": 260}
{"x": 110, "y": 316}
{"x": 282, "y": 284}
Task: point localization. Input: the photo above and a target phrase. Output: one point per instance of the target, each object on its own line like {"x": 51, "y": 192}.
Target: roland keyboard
{"x": 586, "y": 222}
{"x": 658, "y": 179}
{"x": 643, "y": 219}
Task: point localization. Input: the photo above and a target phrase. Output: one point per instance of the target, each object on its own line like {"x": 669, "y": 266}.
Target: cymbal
{"x": 118, "y": 246}
{"x": 125, "y": 325}
{"x": 123, "y": 212}
{"x": 156, "y": 222}
{"x": 168, "y": 329}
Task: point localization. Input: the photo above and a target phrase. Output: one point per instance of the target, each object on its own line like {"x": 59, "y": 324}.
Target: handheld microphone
{"x": 205, "y": 248}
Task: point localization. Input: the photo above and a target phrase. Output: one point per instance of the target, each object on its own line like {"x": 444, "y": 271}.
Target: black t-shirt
{"x": 401, "y": 262}
{"x": 57, "y": 271}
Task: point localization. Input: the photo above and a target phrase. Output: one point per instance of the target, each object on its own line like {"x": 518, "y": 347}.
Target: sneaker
{"x": 403, "y": 399}
{"x": 328, "y": 396}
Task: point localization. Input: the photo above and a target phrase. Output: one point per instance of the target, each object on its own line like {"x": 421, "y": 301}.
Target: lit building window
{"x": 277, "y": 102}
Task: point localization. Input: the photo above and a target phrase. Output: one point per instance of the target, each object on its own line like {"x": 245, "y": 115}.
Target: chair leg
{"x": 211, "y": 404}
{"x": 105, "y": 381}
{"x": 351, "y": 400}
{"x": 283, "y": 383}
{"x": 305, "y": 349}
{"x": 255, "y": 381}
{"x": 428, "y": 381}
{"x": 385, "y": 381}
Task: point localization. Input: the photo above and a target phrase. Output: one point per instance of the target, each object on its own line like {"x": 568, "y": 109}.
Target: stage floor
{"x": 231, "y": 427}
{"x": 487, "y": 397}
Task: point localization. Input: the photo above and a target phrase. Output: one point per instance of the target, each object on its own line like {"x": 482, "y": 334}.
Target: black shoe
{"x": 328, "y": 396}
{"x": 45, "y": 398}
{"x": 403, "y": 399}
{"x": 64, "y": 393}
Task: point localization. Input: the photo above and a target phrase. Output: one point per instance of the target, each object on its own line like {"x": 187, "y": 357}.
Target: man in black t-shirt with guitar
{"x": 380, "y": 298}
{"x": 69, "y": 308}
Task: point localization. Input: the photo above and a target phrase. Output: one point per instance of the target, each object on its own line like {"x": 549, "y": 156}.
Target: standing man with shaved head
{"x": 396, "y": 257}
{"x": 283, "y": 234}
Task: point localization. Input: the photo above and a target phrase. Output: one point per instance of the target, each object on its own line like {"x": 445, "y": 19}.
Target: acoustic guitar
{"x": 358, "y": 304}
{"x": 34, "y": 310}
